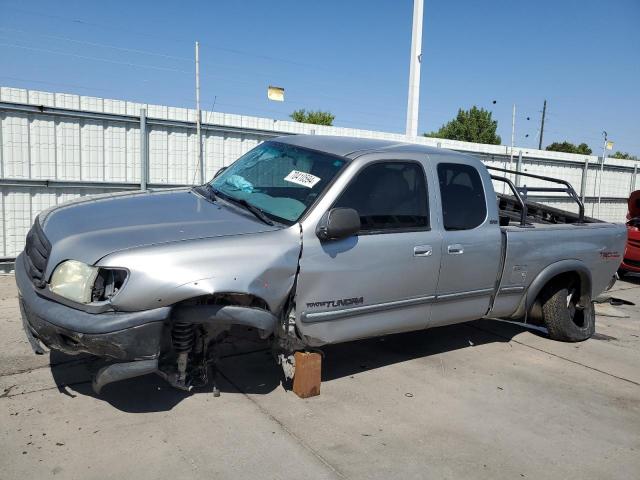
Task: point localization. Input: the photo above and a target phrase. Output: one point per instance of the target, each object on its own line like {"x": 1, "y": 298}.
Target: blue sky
{"x": 349, "y": 57}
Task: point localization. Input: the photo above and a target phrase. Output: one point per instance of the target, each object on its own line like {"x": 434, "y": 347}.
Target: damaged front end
{"x": 179, "y": 343}
{"x": 197, "y": 328}
{"x": 169, "y": 315}
{"x": 190, "y": 345}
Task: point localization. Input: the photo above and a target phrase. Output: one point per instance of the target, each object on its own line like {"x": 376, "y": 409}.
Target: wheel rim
{"x": 576, "y": 312}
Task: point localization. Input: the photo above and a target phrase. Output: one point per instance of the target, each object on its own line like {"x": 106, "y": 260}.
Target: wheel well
{"x": 563, "y": 279}
{"x": 229, "y": 298}
{"x": 534, "y": 312}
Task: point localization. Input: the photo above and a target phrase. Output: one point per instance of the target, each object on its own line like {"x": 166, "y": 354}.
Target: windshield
{"x": 279, "y": 179}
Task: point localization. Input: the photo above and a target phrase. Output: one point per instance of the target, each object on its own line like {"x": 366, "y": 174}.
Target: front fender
{"x": 263, "y": 265}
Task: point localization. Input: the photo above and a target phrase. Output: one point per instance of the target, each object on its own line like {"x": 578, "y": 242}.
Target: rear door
{"x": 382, "y": 280}
{"x": 471, "y": 248}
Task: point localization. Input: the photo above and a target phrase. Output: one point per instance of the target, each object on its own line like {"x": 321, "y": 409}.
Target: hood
{"x": 89, "y": 229}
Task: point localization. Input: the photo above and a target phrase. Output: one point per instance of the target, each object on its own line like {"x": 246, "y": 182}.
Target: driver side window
{"x": 389, "y": 196}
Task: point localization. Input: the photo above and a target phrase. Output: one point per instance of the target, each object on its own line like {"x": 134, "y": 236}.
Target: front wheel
{"x": 568, "y": 316}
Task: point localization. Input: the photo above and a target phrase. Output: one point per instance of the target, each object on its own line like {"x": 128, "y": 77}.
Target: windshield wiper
{"x": 207, "y": 190}
{"x": 259, "y": 214}
{"x": 210, "y": 191}
{"x": 253, "y": 209}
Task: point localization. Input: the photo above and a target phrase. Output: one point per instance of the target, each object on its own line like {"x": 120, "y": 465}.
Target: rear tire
{"x": 568, "y": 316}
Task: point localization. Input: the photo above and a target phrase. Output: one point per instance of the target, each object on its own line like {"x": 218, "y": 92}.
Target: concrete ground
{"x": 479, "y": 400}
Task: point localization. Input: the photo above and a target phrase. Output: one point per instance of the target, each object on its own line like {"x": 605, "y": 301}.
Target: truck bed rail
{"x": 521, "y": 193}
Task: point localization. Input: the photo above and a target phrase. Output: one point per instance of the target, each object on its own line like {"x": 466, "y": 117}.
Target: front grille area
{"x": 635, "y": 243}
{"x": 632, "y": 263}
{"x": 37, "y": 250}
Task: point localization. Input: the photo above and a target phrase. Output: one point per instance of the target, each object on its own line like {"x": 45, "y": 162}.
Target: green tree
{"x": 624, "y": 156}
{"x": 473, "y": 125}
{"x": 568, "y": 147}
{"x": 584, "y": 149}
{"x": 317, "y": 117}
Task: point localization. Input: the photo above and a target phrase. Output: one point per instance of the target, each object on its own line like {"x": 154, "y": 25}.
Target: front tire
{"x": 568, "y": 316}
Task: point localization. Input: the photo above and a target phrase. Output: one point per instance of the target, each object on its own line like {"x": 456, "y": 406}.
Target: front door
{"x": 382, "y": 280}
{"x": 471, "y": 248}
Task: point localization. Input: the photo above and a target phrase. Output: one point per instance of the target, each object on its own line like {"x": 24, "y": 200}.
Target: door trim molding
{"x": 470, "y": 293}
{"x": 507, "y": 290}
{"x": 381, "y": 307}
{"x": 378, "y": 307}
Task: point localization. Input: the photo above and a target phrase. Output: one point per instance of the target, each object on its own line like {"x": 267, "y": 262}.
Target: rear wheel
{"x": 568, "y": 315}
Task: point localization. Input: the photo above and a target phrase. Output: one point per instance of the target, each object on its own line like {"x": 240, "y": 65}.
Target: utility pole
{"x": 513, "y": 133}
{"x": 413, "y": 101}
{"x": 544, "y": 112}
{"x": 199, "y": 115}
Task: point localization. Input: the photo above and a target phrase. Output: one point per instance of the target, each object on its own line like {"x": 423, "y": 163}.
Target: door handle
{"x": 455, "y": 249}
{"x": 422, "y": 251}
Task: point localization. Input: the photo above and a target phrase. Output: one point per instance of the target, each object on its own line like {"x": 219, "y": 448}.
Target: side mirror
{"x": 338, "y": 223}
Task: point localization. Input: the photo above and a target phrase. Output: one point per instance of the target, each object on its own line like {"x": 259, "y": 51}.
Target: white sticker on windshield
{"x": 302, "y": 178}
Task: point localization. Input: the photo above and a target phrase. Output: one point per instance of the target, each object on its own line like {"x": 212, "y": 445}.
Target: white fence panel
{"x": 115, "y": 152}
{"x": 42, "y": 155}
{"x": 15, "y": 146}
{"x": 68, "y": 149}
{"x": 72, "y": 140}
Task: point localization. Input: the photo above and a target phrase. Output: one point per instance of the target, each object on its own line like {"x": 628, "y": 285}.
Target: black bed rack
{"x": 520, "y": 192}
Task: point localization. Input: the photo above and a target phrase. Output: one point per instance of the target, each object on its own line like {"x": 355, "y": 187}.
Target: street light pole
{"x": 413, "y": 101}
{"x": 199, "y": 116}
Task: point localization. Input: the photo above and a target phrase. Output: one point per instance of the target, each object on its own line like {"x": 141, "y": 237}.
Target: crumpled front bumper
{"x": 123, "y": 336}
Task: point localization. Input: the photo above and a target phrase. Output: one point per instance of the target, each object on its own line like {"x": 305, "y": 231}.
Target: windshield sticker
{"x": 302, "y": 178}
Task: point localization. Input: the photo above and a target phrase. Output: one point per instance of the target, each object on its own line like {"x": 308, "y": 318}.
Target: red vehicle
{"x": 631, "y": 261}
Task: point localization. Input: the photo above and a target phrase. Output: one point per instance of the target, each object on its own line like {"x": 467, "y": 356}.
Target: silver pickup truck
{"x": 308, "y": 240}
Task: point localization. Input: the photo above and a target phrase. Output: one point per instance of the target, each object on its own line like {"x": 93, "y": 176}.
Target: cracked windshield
{"x": 280, "y": 180}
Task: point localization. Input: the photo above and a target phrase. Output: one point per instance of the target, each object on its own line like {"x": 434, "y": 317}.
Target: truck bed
{"x": 517, "y": 208}
{"x": 537, "y": 213}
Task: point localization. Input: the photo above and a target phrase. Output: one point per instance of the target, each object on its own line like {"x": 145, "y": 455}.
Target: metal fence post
{"x": 201, "y": 152}
{"x": 144, "y": 150}
{"x": 518, "y": 168}
{"x": 583, "y": 183}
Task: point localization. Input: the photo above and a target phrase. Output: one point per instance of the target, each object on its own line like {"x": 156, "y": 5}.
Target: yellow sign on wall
{"x": 275, "y": 93}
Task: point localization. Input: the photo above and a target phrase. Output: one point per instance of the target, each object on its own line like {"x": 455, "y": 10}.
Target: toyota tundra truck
{"x": 309, "y": 240}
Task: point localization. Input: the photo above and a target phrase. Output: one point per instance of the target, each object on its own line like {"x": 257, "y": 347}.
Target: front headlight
{"x": 74, "y": 280}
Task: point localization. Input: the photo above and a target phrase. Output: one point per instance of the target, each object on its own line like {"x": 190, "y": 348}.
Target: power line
{"x": 95, "y": 44}
{"x": 226, "y": 78}
{"x": 87, "y": 57}
{"x": 173, "y": 39}
{"x": 60, "y": 84}
{"x": 145, "y": 52}
{"x": 113, "y": 47}
{"x": 163, "y": 37}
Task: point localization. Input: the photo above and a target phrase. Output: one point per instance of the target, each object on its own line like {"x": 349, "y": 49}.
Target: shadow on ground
{"x": 250, "y": 368}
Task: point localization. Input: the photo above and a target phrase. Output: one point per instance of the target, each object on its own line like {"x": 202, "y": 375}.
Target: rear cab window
{"x": 463, "y": 200}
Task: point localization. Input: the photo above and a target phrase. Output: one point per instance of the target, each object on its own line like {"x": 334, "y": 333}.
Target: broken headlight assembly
{"x": 84, "y": 283}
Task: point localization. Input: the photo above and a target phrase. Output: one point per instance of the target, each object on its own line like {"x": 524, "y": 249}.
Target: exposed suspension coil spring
{"x": 183, "y": 336}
